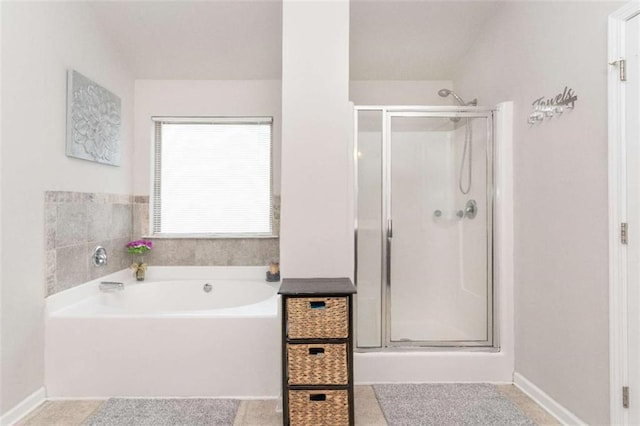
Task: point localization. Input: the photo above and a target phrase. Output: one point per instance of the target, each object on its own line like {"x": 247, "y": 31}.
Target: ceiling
{"x": 413, "y": 40}
{"x": 196, "y": 40}
{"x": 242, "y": 40}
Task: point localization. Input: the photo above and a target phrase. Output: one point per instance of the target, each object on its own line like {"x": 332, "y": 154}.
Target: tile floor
{"x": 263, "y": 412}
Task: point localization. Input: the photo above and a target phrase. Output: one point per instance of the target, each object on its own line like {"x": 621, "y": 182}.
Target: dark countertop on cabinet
{"x": 316, "y": 286}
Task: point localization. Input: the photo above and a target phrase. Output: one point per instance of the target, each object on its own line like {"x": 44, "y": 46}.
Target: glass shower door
{"x": 438, "y": 238}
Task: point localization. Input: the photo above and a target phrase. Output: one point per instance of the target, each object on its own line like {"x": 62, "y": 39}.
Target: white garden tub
{"x": 166, "y": 336}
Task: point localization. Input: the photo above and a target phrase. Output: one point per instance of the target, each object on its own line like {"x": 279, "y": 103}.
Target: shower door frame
{"x": 388, "y": 112}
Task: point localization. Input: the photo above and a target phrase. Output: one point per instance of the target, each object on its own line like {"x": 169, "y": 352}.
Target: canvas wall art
{"x": 93, "y": 121}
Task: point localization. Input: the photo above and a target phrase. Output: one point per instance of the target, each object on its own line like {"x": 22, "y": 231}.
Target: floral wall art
{"x": 93, "y": 121}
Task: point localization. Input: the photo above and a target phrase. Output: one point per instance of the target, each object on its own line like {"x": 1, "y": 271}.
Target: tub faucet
{"x": 111, "y": 286}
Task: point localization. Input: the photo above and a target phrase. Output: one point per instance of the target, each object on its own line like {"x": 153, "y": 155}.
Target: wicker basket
{"x": 318, "y": 407}
{"x": 317, "y": 364}
{"x": 317, "y": 317}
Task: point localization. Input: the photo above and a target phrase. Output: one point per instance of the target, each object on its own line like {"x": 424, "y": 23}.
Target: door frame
{"x": 618, "y": 280}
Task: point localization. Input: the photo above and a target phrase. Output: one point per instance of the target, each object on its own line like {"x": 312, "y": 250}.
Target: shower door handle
{"x": 389, "y": 236}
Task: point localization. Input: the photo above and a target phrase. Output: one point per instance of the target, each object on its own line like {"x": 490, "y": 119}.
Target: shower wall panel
{"x": 424, "y": 256}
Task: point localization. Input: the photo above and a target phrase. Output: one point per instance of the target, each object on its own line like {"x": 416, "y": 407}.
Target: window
{"x": 212, "y": 176}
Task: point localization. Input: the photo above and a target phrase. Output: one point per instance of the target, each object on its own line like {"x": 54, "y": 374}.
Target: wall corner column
{"x": 317, "y": 207}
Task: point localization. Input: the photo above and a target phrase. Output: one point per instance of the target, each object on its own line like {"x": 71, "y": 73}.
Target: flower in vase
{"x": 139, "y": 247}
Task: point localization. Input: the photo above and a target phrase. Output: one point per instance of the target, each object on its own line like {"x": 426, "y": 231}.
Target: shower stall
{"x": 424, "y": 226}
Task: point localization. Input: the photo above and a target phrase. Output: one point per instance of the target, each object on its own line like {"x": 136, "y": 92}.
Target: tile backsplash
{"x": 77, "y": 222}
{"x": 207, "y": 251}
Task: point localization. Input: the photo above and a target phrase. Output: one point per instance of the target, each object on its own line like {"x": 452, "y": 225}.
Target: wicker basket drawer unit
{"x": 317, "y": 351}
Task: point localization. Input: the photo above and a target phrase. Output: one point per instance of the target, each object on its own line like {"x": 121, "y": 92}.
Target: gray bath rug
{"x": 165, "y": 412}
{"x": 448, "y": 404}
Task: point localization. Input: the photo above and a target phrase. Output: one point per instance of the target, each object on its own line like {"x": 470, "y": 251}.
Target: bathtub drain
{"x": 207, "y": 288}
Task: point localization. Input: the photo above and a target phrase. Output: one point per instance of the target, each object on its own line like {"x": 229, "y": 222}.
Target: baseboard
{"x": 563, "y": 415}
{"x": 23, "y": 408}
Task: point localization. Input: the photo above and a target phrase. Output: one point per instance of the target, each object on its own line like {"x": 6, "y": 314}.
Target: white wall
{"x": 317, "y": 206}
{"x": 201, "y": 98}
{"x": 534, "y": 49}
{"x": 396, "y": 92}
{"x": 40, "y": 41}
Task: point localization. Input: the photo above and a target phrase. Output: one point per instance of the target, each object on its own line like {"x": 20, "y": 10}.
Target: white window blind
{"x": 212, "y": 176}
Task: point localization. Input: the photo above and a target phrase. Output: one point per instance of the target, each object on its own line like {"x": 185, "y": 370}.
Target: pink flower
{"x": 139, "y": 246}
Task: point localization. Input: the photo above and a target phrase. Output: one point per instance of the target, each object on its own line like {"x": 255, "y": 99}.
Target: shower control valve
{"x": 471, "y": 209}
{"x": 99, "y": 256}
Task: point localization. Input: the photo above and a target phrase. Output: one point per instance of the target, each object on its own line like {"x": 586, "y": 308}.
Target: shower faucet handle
{"x": 99, "y": 256}
{"x": 471, "y": 209}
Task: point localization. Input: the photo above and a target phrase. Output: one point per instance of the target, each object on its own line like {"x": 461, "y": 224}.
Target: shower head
{"x": 446, "y": 92}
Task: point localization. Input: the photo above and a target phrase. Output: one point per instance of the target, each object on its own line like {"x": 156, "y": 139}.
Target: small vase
{"x": 140, "y": 274}
{"x": 140, "y": 270}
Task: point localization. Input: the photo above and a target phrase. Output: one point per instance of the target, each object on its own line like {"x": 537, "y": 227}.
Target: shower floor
{"x": 428, "y": 330}
{"x": 262, "y": 412}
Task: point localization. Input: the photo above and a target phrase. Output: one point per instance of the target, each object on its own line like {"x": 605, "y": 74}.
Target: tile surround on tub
{"x": 72, "y": 267}
{"x": 203, "y": 251}
{"x": 77, "y": 222}
{"x": 140, "y": 215}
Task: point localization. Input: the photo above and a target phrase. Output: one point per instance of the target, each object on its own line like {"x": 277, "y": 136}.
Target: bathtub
{"x": 166, "y": 336}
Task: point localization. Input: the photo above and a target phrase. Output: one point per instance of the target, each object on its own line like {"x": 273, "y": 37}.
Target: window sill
{"x": 210, "y": 237}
